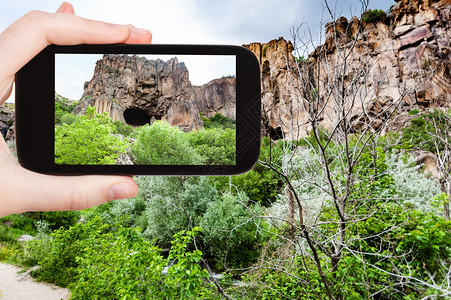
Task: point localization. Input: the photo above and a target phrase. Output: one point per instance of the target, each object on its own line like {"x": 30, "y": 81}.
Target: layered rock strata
{"x": 7, "y": 122}
{"x": 137, "y": 91}
{"x": 401, "y": 60}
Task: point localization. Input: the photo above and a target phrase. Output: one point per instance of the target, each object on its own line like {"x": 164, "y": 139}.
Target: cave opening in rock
{"x": 136, "y": 117}
{"x": 276, "y": 133}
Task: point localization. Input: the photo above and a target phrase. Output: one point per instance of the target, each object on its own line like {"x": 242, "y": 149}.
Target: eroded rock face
{"x": 404, "y": 58}
{"x": 136, "y": 90}
{"x": 7, "y": 122}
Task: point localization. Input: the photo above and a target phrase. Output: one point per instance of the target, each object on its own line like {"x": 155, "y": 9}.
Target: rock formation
{"x": 137, "y": 91}
{"x": 403, "y": 58}
{"x": 7, "y": 122}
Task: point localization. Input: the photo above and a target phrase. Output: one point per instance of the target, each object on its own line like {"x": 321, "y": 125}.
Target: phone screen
{"x": 126, "y": 109}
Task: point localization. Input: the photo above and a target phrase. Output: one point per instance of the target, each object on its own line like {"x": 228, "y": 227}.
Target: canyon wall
{"x": 137, "y": 91}
{"x": 401, "y": 60}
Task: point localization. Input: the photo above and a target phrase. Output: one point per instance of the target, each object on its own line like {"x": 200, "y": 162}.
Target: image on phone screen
{"x": 127, "y": 109}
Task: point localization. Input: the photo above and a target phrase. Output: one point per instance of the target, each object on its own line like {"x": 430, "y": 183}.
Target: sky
{"x": 234, "y": 22}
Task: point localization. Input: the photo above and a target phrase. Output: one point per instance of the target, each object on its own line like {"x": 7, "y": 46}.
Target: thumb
{"x": 28, "y": 191}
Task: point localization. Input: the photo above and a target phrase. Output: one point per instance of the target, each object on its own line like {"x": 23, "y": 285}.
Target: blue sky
{"x": 234, "y": 22}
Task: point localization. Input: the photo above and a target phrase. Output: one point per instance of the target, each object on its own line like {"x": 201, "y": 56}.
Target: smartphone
{"x": 139, "y": 110}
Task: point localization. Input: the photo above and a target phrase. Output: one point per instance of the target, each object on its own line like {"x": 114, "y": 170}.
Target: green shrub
{"x": 56, "y": 219}
{"x": 68, "y": 118}
{"x": 216, "y": 146}
{"x": 261, "y": 185}
{"x": 231, "y": 233}
{"x": 374, "y": 16}
{"x": 59, "y": 263}
{"x": 218, "y": 121}
{"x": 18, "y": 224}
{"x": 122, "y": 265}
{"x": 88, "y": 141}
{"x": 162, "y": 144}
{"x": 173, "y": 204}
{"x": 421, "y": 133}
{"x": 121, "y": 128}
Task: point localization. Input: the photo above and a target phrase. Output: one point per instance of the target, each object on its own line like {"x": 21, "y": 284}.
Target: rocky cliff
{"x": 7, "y": 121}
{"x": 136, "y": 90}
{"x": 403, "y": 57}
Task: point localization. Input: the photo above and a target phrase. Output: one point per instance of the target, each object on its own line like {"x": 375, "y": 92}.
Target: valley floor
{"x": 14, "y": 286}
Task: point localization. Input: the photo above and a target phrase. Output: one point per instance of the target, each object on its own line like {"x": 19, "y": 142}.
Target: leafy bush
{"x": 87, "y": 141}
{"x": 261, "y": 185}
{"x": 121, "y": 128}
{"x": 122, "y": 265}
{"x": 414, "y": 112}
{"x": 231, "y": 232}
{"x": 173, "y": 204}
{"x": 421, "y": 134}
{"x": 56, "y": 219}
{"x": 68, "y": 118}
{"x": 59, "y": 262}
{"x": 216, "y": 146}
{"x": 162, "y": 144}
{"x": 218, "y": 121}
{"x": 374, "y": 16}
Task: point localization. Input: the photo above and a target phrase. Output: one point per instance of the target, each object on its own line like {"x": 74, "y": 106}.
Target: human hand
{"x": 21, "y": 189}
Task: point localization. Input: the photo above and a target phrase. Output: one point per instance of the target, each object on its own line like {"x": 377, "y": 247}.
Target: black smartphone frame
{"x": 35, "y": 111}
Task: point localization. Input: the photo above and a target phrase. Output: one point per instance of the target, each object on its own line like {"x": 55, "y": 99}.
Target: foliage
{"x": 63, "y": 106}
{"x": 162, "y": 144}
{"x": 121, "y": 265}
{"x": 68, "y": 118}
{"x": 175, "y": 204}
{"x": 56, "y": 219}
{"x": 216, "y": 146}
{"x": 218, "y": 121}
{"x": 261, "y": 184}
{"x": 16, "y": 225}
{"x": 300, "y": 59}
{"x": 231, "y": 232}
{"x": 172, "y": 205}
{"x": 89, "y": 140}
{"x": 184, "y": 278}
{"x": 374, "y": 16}
{"x": 123, "y": 129}
{"x": 59, "y": 262}
{"x": 414, "y": 112}
{"x": 421, "y": 134}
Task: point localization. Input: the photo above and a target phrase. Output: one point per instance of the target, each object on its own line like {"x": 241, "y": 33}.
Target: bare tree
{"x": 338, "y": 161}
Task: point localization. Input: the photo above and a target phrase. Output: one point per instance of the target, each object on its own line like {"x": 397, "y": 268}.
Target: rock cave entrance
{"x": 136, "y": 117}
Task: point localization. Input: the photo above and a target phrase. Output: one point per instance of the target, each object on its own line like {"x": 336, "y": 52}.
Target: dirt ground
{"x": 15, "y": 286}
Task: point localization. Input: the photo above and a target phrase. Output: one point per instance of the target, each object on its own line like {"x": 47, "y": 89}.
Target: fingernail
{"x": 121, "y": 191}
{"x": 62, "y": 7}
{"x": 140, "y": 31}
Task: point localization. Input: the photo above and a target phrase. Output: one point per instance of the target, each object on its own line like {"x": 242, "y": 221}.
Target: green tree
{"x": 431, "y": 132}
{"x": 88, "y": 141}
{"x": 218, "y": 121}
{"x": 231, "y": 232}
{"x": 173, "y": 204}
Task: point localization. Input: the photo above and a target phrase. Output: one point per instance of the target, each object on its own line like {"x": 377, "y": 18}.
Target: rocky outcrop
{"x": 136, "y": 90}
{"x": 217, "y": 96}
{"x": 7, "y": 122}
{"x": 403, "y": 58}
